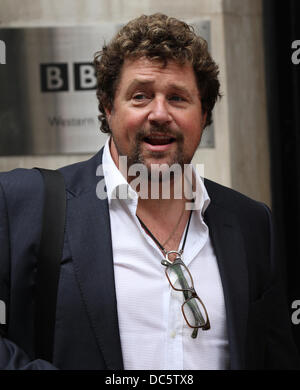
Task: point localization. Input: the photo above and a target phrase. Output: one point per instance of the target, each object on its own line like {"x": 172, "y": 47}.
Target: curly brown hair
{"x": 159, "y": 38}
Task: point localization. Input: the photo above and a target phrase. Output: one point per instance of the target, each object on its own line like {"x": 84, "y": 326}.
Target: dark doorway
{"x": 281, "y": 29}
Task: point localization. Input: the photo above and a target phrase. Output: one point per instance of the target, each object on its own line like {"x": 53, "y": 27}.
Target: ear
{"x": 108, "y": 111}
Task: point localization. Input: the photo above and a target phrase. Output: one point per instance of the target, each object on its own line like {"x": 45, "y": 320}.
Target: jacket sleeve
{"x": 12, "y": 357}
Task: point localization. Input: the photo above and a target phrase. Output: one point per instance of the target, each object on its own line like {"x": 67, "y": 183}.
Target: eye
{"x": 139, "y": 96}
{"x": 177, "y": 98}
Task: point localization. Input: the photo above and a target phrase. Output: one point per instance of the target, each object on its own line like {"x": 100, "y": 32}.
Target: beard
{"x": 136, "y": 155}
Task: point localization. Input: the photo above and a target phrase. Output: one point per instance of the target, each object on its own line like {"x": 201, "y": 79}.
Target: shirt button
{"x": 173, "y": 334}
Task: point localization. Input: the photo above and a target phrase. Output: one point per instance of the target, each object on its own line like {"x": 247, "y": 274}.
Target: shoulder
{"x": 24, "y": 183}
{"x": 82, "y": 177}
{"x": 252, "y": 218}
{"x": 20, "y": 183}
{"x": 235, "y": 202}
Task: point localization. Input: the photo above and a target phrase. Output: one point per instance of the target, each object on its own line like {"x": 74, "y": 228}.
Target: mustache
{"x": 158, "y": 129}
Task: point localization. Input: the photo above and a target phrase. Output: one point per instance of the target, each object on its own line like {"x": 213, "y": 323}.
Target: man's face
{"x": 157, "y": 115}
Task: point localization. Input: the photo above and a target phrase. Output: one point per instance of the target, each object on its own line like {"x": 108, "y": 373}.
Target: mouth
{"x": 159, "y": 143}
{"x": 159, "y": 140}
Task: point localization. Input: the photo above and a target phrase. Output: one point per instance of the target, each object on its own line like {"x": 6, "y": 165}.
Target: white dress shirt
{"x": 153, "y": 332}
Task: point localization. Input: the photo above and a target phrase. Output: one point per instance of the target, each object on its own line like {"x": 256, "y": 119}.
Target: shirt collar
{"x": 117, "y": 186}
{"x": 201, "y": 198}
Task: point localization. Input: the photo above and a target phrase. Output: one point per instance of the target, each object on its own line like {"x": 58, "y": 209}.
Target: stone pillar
{"x": 240, "y": 158}
{"x": 246, "y": 98}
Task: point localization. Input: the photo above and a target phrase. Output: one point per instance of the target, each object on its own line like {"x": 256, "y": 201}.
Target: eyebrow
{"x": 138, "y": 82}
{"x": 180, "y": 88}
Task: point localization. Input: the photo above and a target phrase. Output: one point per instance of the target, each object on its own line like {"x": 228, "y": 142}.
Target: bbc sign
{"x": 55, "y": 76}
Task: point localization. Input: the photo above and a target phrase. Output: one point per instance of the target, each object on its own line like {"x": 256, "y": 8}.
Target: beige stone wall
{"x": 62, "y": 12}
{"x": 246, "y": 98}
{"x": 240, "y": 159}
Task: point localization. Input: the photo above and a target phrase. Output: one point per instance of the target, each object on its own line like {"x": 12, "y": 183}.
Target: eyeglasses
{"x": 180, "y": 279}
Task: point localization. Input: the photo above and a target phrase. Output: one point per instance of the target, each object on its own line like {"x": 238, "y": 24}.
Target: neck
{"x": 157, "y": 196}
{"x": 166, "y": 217}
{"x": 167, "y": 195}
{"x": 157, "y": 207}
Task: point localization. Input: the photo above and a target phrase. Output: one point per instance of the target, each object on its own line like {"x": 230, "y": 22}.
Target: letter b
{"x": 84, "y": 76}
{"x": 54, "y": 77}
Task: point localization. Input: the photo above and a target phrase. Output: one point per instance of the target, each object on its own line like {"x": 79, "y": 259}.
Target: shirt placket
{"x": 174, "y": 344}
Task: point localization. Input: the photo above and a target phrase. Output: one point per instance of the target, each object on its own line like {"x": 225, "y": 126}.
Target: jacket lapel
{"x": 88, "y": 229}
{"x": 227, "y": 241}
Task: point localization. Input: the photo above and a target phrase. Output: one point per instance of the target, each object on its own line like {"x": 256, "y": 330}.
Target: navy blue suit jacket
{"x": 86, "y": 329}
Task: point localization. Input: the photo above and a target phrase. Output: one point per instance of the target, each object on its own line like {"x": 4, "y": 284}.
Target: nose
{"x": 159, "y": 111}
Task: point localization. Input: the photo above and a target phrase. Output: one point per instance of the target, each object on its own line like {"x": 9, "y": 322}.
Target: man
{"x": 187, "y": 282}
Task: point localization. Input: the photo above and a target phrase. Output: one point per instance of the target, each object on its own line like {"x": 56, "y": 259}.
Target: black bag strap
{"x": 49, "y": 257}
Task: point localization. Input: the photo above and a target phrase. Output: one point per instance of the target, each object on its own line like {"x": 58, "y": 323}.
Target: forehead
{"x": 146, "y": 71}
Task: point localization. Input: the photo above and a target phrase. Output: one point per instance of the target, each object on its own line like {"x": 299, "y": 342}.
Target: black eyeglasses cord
{"x": 158, "y": 243}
